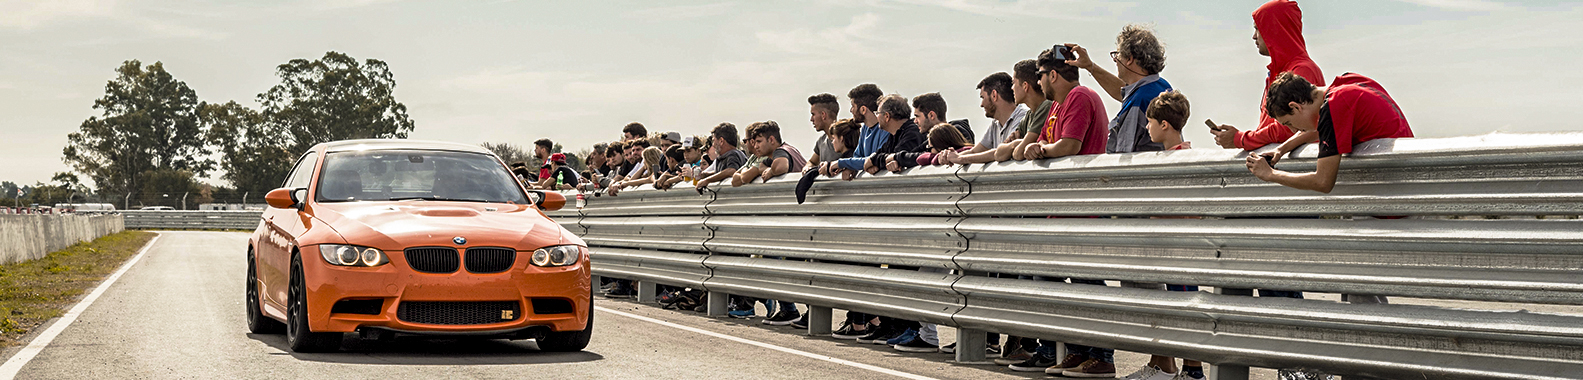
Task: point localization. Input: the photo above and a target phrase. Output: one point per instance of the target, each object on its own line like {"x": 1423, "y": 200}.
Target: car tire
{"x": 570, "y": 341}
{"x": 257, "y": 322}
{"x": 298, "y": 334}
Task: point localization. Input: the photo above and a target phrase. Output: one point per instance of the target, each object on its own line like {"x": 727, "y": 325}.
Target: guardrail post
{"x": 1227, "y": 372}
{"x": 1230, "y": 372}
{"x": 647, "y": 292}
{"x": 717, "y": 304}
{"x": 970, "y": 346}
{"x": 819, "y": 320}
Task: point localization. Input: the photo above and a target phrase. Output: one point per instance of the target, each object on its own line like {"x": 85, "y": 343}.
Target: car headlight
{"x": 352, "y": 256}
{"x": 557, "y": 256}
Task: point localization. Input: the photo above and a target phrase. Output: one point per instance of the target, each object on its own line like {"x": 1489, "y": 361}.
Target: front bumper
{"x": 395, "y": 283}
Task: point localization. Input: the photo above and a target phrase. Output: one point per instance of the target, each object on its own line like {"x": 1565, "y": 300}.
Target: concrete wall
{"x": 27, "y": 237}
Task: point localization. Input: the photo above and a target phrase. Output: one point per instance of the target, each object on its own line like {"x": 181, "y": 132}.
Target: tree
{"x": 510, "y": 153}
{"x": 149, "y": 123}
{"x": 334, "y": 98}
{"x": 166, "y": 187}
{"x": 253, "y": 153}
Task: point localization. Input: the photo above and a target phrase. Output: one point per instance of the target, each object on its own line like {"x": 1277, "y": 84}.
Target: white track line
{"x": 11, "y": 367}
{"x": 850, "y": 363}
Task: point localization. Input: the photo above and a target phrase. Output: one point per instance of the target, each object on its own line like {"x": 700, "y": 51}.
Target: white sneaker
{"x": 1150, "y": 373}
{"x": 1183, "y": 376}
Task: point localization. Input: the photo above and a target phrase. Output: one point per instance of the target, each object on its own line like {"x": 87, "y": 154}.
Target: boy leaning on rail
{"x": 1354, "y": 109}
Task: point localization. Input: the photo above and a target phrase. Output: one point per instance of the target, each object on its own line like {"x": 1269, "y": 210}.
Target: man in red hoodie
{"x": 1278, "y": 32}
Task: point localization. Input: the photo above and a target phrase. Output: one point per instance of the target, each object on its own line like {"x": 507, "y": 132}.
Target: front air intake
{"x": 459, "y": 312}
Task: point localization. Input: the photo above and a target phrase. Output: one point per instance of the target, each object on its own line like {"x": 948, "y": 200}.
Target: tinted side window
{"x": 303, "y": 172}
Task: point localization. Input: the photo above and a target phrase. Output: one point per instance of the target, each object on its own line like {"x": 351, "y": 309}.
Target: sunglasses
{"x": 1115, "y": 56}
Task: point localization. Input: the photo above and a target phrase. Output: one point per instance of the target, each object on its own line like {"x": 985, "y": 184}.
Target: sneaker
{"x": 877, "y": 335}
{"x": 1071, "y": 361}
{"x": 895, "y": 336}
{"x": 1035, "y": 363}
{"x": 1149, "y": 372}
{"x": 743, "y": 314}
{"x": 906, "y": 335}
{"x": 1184, "y": 376}
{"x": 949, "y": 348}
{"x": 916, "y": 344}
{"x": 847, "y": 332}
{"x": 782, "y": 318}
{"x": 1013, "y": 357}
{"x": 1289, "y": 374}
{"x": 801, "y": 322}
{"x": 1093, "y": 368}
{"x": 991, "y": 350}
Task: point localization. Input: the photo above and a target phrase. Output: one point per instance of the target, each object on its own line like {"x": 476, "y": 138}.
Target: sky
{"x": 577, "y": 71}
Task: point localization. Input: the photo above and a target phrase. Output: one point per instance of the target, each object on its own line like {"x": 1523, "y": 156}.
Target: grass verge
{"x": 33, "y": 291}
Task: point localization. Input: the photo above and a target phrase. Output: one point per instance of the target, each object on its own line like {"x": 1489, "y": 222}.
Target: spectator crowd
{"x": 1040, "y": 109}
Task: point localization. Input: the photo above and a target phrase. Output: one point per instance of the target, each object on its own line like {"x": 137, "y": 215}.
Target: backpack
{"x": 684, "y": 299}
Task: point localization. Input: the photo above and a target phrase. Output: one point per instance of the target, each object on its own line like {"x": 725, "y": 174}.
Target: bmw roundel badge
{"x": 459, "y": 240}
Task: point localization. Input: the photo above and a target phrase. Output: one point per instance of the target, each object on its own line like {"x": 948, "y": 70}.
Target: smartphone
{"x": 1212, "y": 124}
{"x": 1063, "y": 53}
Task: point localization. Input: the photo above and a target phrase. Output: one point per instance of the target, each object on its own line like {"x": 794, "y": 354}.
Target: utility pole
{"x": 184, "y": 201}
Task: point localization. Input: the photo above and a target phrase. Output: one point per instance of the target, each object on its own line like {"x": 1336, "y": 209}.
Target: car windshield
{"x": 385, "y": 175}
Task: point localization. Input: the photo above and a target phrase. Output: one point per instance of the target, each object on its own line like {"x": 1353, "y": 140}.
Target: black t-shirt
{"x": 566, "y": 175}
{"x": 1327, "y": 133}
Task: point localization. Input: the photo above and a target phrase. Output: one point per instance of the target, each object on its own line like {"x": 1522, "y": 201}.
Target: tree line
{"x": 155, "y": 137}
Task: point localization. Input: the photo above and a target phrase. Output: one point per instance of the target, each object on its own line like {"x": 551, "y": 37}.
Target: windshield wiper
{"x": 440, "y": 199}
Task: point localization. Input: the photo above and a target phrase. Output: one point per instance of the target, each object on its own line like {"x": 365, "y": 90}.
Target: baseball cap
{"x": 559, "y": 158}
{"x": 675, "y": 137}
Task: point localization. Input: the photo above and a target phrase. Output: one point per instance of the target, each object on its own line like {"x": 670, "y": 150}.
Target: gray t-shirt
{"x": 731, "y": 160}
{"x": 825, "y": 149}
{"x": 998, "y": 132}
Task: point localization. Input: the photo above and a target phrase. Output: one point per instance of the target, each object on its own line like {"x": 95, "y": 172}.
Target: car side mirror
{"x": 284, "y": 197}
{"x": 548, "y": 200}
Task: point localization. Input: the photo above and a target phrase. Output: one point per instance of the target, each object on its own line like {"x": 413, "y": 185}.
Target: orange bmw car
{"x": 400, "y": 237}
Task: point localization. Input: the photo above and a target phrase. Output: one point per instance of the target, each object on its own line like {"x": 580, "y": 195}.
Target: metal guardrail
{"x": 1180, "y": 217}
{"x": 192, "y": 220}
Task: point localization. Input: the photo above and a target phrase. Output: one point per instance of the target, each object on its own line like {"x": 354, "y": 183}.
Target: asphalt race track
{"x": 177, "y": 313}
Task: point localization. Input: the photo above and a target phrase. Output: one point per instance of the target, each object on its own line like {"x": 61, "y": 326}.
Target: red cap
{"x": 558, "y": 157}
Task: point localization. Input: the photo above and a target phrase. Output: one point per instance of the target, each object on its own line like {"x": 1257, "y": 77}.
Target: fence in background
{"x": 1193, "y": 217}
{"x": 192, "y": 220}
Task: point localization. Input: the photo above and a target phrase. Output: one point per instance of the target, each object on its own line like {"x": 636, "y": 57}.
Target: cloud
{"x": 837, "y": 41}
{"x": 680, "y": 12}
{"x": 1045, "y": 9}
{"x": 330, "y": 5}
{"x": 24, "y": 14}
{"x": 1461, "y": 5}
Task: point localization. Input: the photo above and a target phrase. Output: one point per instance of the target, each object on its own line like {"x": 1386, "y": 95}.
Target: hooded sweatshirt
{"x": 906, "y": 160}
{"x": 1280, "y": 23}
{"x": 906, "y": 139}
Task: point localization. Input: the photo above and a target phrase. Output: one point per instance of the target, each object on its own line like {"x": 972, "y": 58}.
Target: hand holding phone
{"x": 1212, "y": 125}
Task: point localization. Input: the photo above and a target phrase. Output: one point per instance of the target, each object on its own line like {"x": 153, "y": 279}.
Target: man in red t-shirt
{"x": 1077, "y": 124}
{"x": 1353, "y": 110}
{"x": 1278, "y": 33}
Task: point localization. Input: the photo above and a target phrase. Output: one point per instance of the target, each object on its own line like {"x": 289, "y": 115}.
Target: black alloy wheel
{"x": 257, "y": 322}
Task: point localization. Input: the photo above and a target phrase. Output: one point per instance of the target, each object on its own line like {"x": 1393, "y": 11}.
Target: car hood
{"x": 397, "y": 225}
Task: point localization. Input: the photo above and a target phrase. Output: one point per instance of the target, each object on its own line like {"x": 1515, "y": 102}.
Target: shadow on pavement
{"x": 884, "y": 350}
{"x": 421, "y": 351}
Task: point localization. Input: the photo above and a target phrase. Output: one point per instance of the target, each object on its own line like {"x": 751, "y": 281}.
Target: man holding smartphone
{"x": 1278, "y": 33}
